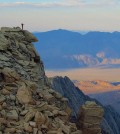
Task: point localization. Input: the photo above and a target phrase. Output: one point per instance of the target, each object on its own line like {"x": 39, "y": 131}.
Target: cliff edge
{"x": 28, "y": 105}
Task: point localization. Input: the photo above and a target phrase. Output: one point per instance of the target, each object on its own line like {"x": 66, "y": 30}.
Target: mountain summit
{"x": 28, "y": 104}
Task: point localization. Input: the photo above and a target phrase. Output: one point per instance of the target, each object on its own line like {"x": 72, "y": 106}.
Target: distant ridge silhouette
{"x": 67, "y": 49}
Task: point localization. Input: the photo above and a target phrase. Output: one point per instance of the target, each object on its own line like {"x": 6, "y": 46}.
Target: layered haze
{"x": 63, "y": 49}
{"x": 91, "y": 60}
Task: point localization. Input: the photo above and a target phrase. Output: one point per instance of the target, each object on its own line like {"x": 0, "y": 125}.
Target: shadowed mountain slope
{"x": 111, "y": 121}
{"x": 109, "y": 98}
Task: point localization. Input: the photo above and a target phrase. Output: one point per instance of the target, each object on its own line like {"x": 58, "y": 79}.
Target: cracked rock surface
{"x": 28, "y": 104}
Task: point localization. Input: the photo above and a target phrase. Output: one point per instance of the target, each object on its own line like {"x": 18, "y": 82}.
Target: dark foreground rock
{"x": 27, "y": 103}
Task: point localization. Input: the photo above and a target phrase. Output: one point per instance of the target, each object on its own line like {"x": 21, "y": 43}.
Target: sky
{"x": 78, "y": 15}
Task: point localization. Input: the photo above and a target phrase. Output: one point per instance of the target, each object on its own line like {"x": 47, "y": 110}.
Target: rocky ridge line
{"x": 27, "y": 103}
{"x": 76, "y": 98}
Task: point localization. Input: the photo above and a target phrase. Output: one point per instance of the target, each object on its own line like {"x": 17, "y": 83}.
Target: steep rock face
{"x": 76, "y": 98}
{"x": 27, "y": 103}
{"x": 18, "y": 56}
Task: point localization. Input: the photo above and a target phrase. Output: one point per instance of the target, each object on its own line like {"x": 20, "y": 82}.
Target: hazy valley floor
{"x": 91, "y": 80}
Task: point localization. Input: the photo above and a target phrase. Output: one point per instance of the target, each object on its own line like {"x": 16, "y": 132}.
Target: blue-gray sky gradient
{"x": 42, "y": 15}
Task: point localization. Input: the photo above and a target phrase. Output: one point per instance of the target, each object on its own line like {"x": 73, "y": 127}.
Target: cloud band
{"x": 65, "y": 3}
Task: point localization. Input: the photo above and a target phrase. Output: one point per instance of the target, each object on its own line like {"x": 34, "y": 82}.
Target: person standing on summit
{"x": 22, "y": 25}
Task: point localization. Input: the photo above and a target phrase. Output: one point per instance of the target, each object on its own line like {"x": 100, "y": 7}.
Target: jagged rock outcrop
{"x": 18, "y": 58}
{"x": 90, "y": 117}
{"x": 76, "y": 98}
{"x": 27, "y": 103}
{"x": 111, "y": 121}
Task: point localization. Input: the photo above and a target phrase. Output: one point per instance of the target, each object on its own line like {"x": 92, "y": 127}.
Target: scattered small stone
{"x": 12, "y": 97}
{"x": 1, "y": 108}
{"x": 77, "y": 132}
{"x": 12, "y": 115}
{"x": 27, "y": 128}
{"x": 10, "y": 130}
{"x": 35, "y": 130}
{"x": 29, "y": 116}
{"x": 2, "y": 98}
{"x": 3, "y": 113}
{"x": 4, "y": 105}
{"x": 32, "y": 124}
{"x": 5, "y": 92}
{"x": 39, "y": 118}
{"x": 24, "y": 95}
{"x": 39, "y": 132}
{"x": 24, "y": 112}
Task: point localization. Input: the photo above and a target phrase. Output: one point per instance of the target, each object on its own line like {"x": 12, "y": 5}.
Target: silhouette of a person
{"x": 22, "y": 25}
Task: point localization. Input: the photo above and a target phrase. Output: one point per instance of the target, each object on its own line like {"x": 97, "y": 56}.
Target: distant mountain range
{"x": 105, "y": 92}
{"x": 64, "y": 49}
{"x": 99, "y": 86}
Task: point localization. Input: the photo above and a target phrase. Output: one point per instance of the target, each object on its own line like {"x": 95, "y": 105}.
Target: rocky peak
{"x": 28, "y": 105}
{"x": 18, "y": 56}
